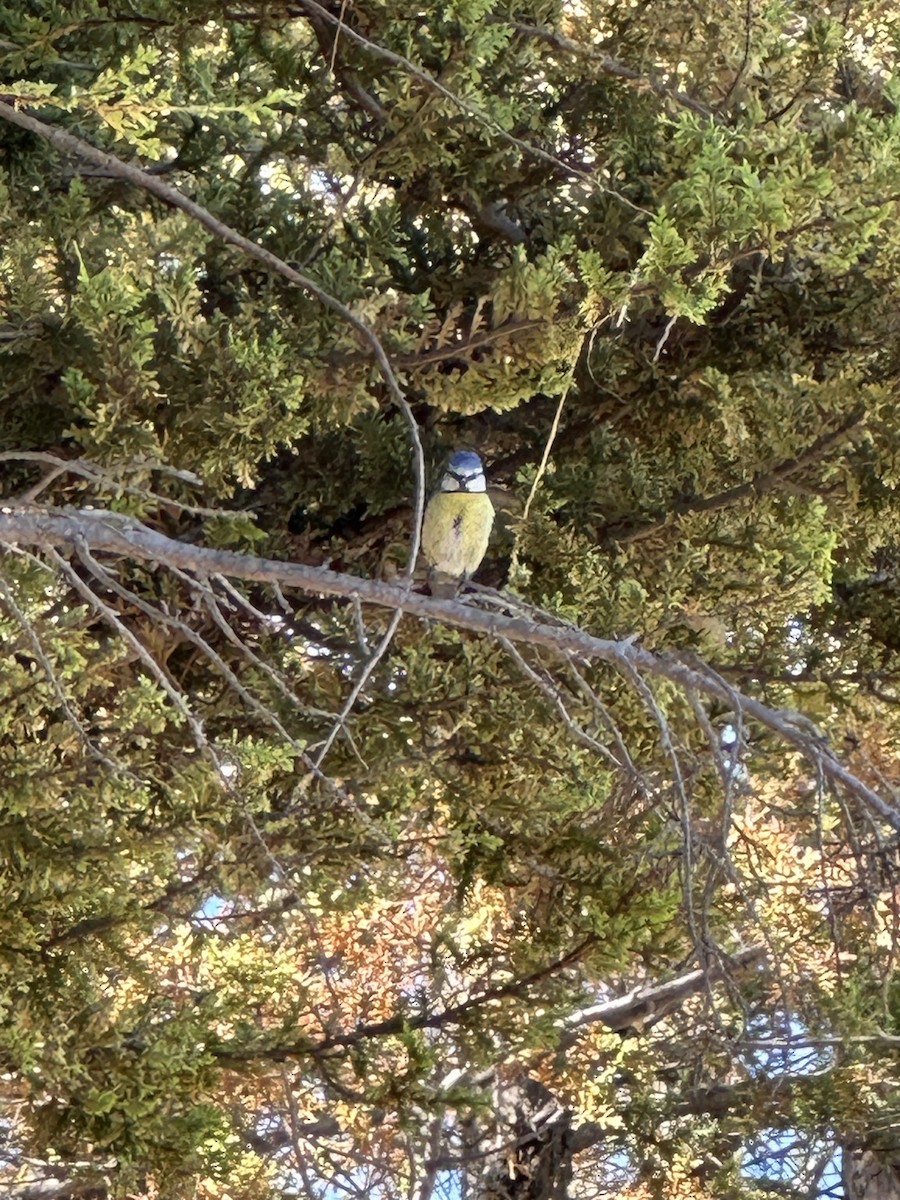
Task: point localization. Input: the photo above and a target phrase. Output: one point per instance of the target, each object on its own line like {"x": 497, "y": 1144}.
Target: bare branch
{"x": 214, "y": 606}
{"x": 94, "y": 473}
{"x": 645, "y": 692}
{"x": 609, "y": 721}
{"x": 176, "y": 696}
{"x": 554, "y": 695}
{"x": 454, "y": 1014}
{"x": 464, "y": 348}
{"x": 635, "y": 1009}
{"x": 551, "y": 437}
{"x": 364, "y": 676}
{"x": 107, "y": 532}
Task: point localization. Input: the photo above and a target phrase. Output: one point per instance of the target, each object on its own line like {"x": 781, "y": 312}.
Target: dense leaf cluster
{"x": 681, "y": 221}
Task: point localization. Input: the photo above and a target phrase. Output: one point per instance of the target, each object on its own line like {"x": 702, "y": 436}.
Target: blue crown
{"x": 465, "y": 461}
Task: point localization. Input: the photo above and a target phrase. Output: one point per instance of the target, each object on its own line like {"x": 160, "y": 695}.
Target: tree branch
{"x": 455, "y": 1014}
{"x": 481, "y": 339}
{"x": 762, "y": 481}
{"x": 312, "y": 9}
{"x": 114, "y": 534}
{"x": 639, "y": 1006}
{"x": 610, "y": 66}
{"x": 172, "y": 196}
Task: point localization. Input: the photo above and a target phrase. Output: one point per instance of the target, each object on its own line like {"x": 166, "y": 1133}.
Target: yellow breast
{"x": 456, "y": 531}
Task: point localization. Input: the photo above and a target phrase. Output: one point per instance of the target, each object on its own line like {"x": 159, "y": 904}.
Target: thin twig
{"x": 31, "y": 494}
{"x": 399, "y": 1023}
{"x": 609, "y": 721}
{"x": 40, "y": 655}
{"x": 159, "y": 617}
{"x": 554, "y": 695}
{"x": 155, "y": 670}
{"x": 665, "y": 736}
{"x": 362, "y": 680}
{"x": 670, "y": 325}
{"x": 548, "y": 446}
{"x": 213, "y": 604}
{"x": 611, "y": 66}
{"x": 633, "y": 530}
{"x": 337, "y": 35}
{"x": 94, "y": 473}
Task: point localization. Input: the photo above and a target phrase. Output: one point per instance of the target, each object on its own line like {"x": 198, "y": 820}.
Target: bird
{"x": 457, "y": 524}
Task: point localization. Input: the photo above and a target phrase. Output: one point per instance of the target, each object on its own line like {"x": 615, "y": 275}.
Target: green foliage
{"x": 681, "y": 220}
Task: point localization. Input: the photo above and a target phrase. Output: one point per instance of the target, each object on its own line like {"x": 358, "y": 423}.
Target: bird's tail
{"x": 443, "y": 586}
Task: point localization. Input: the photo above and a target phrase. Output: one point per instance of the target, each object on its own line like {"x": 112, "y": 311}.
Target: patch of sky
{"x": 791, "y": 1162}
{"x": 783, "y": 1046}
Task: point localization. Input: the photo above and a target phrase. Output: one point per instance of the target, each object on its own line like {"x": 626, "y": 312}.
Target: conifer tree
{"x": 584, "y": 883}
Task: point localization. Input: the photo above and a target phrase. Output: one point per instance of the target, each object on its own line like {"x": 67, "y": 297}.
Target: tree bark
{"x": 530, "y": 1145}
{"x": 870, "y": 1174}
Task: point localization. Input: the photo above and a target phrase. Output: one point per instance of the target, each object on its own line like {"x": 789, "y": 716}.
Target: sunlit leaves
{"x": 223, "y": 962}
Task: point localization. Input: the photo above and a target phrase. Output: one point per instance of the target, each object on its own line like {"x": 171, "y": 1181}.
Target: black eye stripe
{"x": 462, "y": 480}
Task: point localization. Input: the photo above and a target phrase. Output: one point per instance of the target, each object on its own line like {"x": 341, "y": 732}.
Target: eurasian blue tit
{"x": 457, "y": 524}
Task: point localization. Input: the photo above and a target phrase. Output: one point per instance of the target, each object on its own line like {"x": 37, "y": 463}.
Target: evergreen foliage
{"x": 243, "y": 957}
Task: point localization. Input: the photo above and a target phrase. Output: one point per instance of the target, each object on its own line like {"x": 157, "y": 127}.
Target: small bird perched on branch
{"x": 457, "y": 524}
